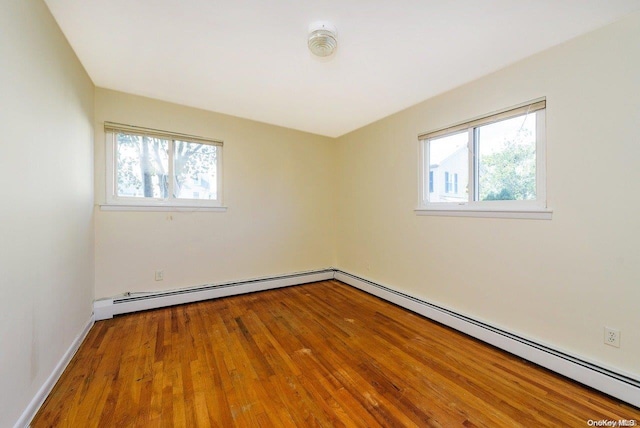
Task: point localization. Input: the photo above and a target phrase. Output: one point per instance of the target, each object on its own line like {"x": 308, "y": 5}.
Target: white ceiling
{"x": 249, "y": 58}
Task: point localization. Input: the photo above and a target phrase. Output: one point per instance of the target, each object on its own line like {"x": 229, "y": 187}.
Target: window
{"x": 492, "y": 164}
{"x": 450, "y": 180}
{"x": 151, "y": 168}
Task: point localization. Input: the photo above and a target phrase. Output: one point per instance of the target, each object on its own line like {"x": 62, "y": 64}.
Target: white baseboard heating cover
{"x": 621, "y": 386}
{"x": 107, "y": 308}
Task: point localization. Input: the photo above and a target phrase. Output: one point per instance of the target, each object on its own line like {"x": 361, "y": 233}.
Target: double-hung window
{"x": 493, "y": 166}
{"x": 148, "y": 168}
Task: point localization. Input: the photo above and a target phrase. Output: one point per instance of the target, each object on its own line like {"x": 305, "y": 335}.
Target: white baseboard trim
{"x": 621, "y": 386}
{"x": 107, "y": 308}
{"x": 615, "y": 384}
{"x": 45, "y": 389}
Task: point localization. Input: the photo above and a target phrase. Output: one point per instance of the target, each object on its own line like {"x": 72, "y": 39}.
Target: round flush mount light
{"x": 322, "y": 38}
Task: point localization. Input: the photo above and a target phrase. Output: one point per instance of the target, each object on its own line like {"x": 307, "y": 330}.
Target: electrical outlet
{"x": 612, "y": 337}
{"x": 159, "y": 275}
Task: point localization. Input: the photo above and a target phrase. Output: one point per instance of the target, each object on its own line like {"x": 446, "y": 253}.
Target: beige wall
{"x": 278, "y": 186}
{"x": 558, "y": 282}
{"x": 46, "y": 231}
{"x": 299, "y": 202}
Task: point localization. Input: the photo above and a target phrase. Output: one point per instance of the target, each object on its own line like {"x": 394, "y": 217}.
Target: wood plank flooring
{"x": 321, "y": 354}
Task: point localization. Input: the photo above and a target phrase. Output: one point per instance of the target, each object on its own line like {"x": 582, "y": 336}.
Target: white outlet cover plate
{"x": 612, "y": 337}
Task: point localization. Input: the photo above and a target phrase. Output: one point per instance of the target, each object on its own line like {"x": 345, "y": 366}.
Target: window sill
{"x": 527, "y": 213}
{"x": 173, "y": 208}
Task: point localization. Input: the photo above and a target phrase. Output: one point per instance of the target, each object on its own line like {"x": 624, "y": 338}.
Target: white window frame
{"x": 129, "y": 203}
{"x": 531, "y": 209}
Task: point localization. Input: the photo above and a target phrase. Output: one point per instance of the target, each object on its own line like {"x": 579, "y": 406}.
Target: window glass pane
{"x": 195, "y": 170}
{"x": 449, "y": 168}
{"x": 141, "y": 166}
{"x": 506, "y": 161}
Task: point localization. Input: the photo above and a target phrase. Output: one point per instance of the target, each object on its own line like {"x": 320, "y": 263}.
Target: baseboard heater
{"x": 621, "y": 386}
{"x": 107, "y": 308}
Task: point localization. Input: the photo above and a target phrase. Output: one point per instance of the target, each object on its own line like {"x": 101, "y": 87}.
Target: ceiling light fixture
{"x": 322, "y": 38}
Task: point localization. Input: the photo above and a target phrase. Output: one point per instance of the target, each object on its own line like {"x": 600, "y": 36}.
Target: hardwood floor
{"x": 321, "y": 354}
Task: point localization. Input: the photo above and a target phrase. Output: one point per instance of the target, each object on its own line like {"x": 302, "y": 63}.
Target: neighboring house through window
{"x": 496, "y": 162}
